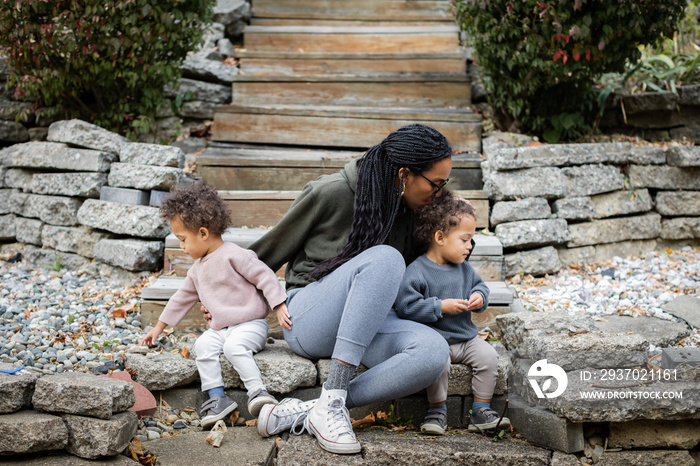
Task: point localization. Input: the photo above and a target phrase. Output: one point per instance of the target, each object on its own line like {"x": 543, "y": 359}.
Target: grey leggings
{"x": 348, "y": 315}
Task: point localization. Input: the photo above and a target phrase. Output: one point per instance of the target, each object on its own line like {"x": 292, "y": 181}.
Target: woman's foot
{"x": 329, "y": 422}
{"x": 257, "y": 400}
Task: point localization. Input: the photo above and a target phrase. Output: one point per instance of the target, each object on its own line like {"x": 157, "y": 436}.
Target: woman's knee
{"x": 387, "y": 261}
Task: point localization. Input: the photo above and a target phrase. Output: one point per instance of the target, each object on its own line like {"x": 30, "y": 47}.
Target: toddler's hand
{"x": 476, "y": 301}
{"x": 207, "y": 315}
{"x": 150, "y": 339}
{"x": 283, "y": 316}
{"x": 454, "y": 306}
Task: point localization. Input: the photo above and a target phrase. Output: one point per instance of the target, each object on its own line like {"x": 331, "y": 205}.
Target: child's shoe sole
{"x": 208, "y": 421}
{"x": 256, "y": 404}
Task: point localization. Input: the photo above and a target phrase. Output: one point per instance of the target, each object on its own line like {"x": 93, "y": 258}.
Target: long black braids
{"x": 377, "y": 199}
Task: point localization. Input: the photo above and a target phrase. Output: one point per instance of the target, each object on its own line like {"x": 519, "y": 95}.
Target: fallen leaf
{"x": 364, "y": 422}
{"x": 234, "y": 417}
{"x": 185, "y": 352}
{"x": 251, "y": 423}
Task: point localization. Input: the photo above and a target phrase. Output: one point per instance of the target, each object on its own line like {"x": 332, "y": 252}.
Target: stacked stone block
{"x": 63, "y": 200}
{"x": 84, "y": 414}
{"x": 556, "y": 205}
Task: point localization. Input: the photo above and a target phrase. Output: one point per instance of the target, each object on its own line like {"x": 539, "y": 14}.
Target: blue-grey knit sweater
{"x": 426, "y": 284}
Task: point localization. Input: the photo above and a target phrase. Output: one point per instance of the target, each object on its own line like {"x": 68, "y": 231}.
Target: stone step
{"x": 418, "y": 39}
{"x": 260, "y": 63}
{"x": 337, "y": 126}
{"x": 358, "y": 9}
{"x": 237, "y": 167}
{"x": 422, "y": 90}
{"x": 255, "y": 21}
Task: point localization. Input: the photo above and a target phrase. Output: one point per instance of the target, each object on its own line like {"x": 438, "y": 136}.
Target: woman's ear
{"x": 203, "y": 233}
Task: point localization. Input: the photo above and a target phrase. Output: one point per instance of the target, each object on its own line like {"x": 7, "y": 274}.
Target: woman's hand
{"x": 283, "y": 317}
{"x": 207, "y": 315}
{"x": 475, "y": 301}
{"x": 454, "y": 306}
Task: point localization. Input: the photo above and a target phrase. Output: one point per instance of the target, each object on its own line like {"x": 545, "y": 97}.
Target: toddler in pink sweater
{"x": 236, "y": 288}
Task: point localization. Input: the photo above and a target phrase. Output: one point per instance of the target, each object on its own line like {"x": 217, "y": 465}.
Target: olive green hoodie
{"x": 317, "y": 226}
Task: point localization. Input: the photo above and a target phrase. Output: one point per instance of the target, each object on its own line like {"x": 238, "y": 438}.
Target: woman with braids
{"x": 346, "y": 241}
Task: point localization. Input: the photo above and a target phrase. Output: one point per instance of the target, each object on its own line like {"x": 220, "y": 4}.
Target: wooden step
{"x": 354, "y": 9}
{"x": 420, "y": 39}
{"x": 243, "y": 167}
{"x": 434, "y": 90}
{"x": 337, "y": 126}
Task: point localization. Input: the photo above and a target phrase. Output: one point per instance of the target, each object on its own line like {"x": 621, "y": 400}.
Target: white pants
{"x": 238, "y": 343}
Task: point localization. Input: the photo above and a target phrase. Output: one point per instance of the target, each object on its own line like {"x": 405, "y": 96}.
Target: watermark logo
{"x": 543, "y": 370}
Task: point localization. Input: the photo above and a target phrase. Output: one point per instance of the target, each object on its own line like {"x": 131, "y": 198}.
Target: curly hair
{"x": 197, "y": 205}
{"x": 376, "y": 204}
{"x": 443, "y": 214}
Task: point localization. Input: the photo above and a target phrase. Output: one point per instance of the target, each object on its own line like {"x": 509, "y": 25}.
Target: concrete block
{"x": 664, "y": 177}
{"x": 537, "y": 262}
{"x": 646, "y": 458}
{"x": 680, "y": 228}
{"x": 678, "y": 203}
{"x": 123, "y": 219}
{"x": 157, "y": 198}
{"x": 5, "y": 201}
{"x": 16, "y": 390}
{"x": 162, "y": 371}
{"x": 7, "y": 227}
{"x": 574, "y": 208}
{"x": 55, "y": 156}
{"x": 673, "y": 357}
{"x": 83, "y": 134}
{"x": 128, "y": 175}
{"x": 621, "y": 203}
{"x": 96, "y": 438}
{"x": 542, "y": 427}
{"x": 69, "y": 184}
{"x": 681, "y": 435}
{"x": 684, "y": 156}
{"x": 19, "y": 178}
{"x": 130, "y": 254}
{"x": 28, "y": 230}
{"x": 531, "y": 233}
{"x": 152, "y": 154}
{"x": 82, "y": 394}
{"x": 615, "y": 230}
{"x": 54, "y": 210}
{"x": 124, "y": 195}
{"x": 77, "y": 240}
{"x": 29, "y": 431}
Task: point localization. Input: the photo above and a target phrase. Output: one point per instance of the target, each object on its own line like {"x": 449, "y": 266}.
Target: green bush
{"x": 105, "y": 61}
{"x": 540, "y": 58}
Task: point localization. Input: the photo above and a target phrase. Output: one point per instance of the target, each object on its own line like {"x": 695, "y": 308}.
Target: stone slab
{"x": 658, "y": 332}
{"x": 574, "y": 208}
{"x": 145, "y": 404}
{"x": 537, "y": 262}
{"x": 123, "y": 219}
{"x": 530, "y": 233}
{"x": 124, "y": 195}
{"x": 621, "y": 203}
{"x": 516, "y": 328}
{"x": 152, "y": 154}
{"x": 544, "y": 428}
{"x": 615, "y": 230}
{"x": 55, "y": 156}
{"x": 61, "y": 458}
{"x": 162, "y": 371}
{"x": 12, "y": 131}
{"x": 678, "y": 203}
{"x": 200, "y": 90}
{"x": 684, "y": 156}
{"x": 680, "y": 228}
{"x": 19, "y": 178}
{"x": 5, "y": 201}
{"x": 77, "y": 240}
{"x": 69, "y": 184}
{"x": 28, "y": 230}
{"x": 682, "y": 435}
{"x": 30, "y": 431}
{"x": 128, "y": 175}
{"x": 82, "y": 394}
{"x": 130, "y": 254}
{"x": 241, "y": 445}
{"x": 524, "y": 209}
{"x": 7, "y": 227}
{"x": 686, "y": 307}
{"x": 647, "y": 458}
{"x": 92, "y": 438}
{"x": 548, "y": 155}
{"x": 601, "y": 252}
{"x": 54, "y": 210}
{"x": 664, "y": 177}
{"x": 84, "y": 134}
{"x": 16, "y": 389}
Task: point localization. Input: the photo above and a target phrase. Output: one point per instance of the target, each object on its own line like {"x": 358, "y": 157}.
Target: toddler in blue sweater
{"x": 441, "y": 289}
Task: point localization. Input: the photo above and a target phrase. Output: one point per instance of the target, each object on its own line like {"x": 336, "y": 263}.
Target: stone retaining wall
{"x": 70, "y": 200}
{"x": 207, "y": 75}
{"x": 556, "y": 205}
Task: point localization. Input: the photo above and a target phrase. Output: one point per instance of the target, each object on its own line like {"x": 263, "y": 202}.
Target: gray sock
{"x": 339, "y": 376}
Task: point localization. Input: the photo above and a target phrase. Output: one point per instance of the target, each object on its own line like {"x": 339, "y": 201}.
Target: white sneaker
{"x": 329, "y": 421}
{"x": 290, "y": 413}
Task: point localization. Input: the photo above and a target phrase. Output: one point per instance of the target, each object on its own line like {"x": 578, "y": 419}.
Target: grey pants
{"x": 348, "y": 315}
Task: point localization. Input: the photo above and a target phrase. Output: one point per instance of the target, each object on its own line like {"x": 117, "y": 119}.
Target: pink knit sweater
{"x": 232, "y": 283}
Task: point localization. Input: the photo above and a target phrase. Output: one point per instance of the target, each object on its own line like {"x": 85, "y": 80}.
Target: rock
{"x": 152, "y": 154}
{"x": 686, "y": 307}
{"x": 551, "y": 155}
{"x": 145, "y": 404}
{"x": 190, "y": 89}
{"x": 83, "y": 134}
{"x": 519, "y": 327}
{"x": 78, "y": 240}
{"x": 198, "y": 109}
{"x": 680, "y": 228}
{"x": 647, "y": 458}
{"x": 574, "y": 208}
{"x": 525, "y": 209}
{"x": 688, "y": 358}
{"x": 528, "y": 233}
{"x": 664, "y": 177}
{"x": 52, "y": 155}
{"x": 600, "y": 252}
{"x": 38, "y": 134}
{"x": 226, "y": 48}
{"x": 19, "y": 178}
{"x": 564, "y": 459}
{"x": 130, "y": 254}
{"x": 164, "y": 371}
{"x": 28, "y": 230}
{"x": 127, "y": 175}
{"x": 54, "y": 210}
{"x": 647, "y": 155}
{"x": 69, "y": 184}
{"x": 44, "y": 257}
{"x": 16, "y": 389}
{"x": 684, "y": 156}
{"x": 229, "y": 11}
{"x": 7, "y": 227}
{"x": 123, "y": 219}
{"x": 650, "y": 101}
{"x": 542, "y": 427}
{"x": 281, "y": 369}
{"x": 95, "y": 438}
{"x": 681, "y": 435}
{"x": 12, "y": 110}
{"x": 660, "y": 333}
{"x": 621, "y": 203}
{"x": 200, "y": 68}
{"x": 28, "y": 431}
{"x": 678, "y": 203}
{"x": 615, "y": 230}
{"x": 11, "y": 131}
{"x": 82, "y": 394}
{"x": 537, "y": 262}
{"x": 5, "y": 201}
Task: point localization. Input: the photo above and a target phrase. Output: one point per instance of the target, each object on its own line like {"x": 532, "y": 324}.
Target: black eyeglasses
{"x": 437, "y": 187}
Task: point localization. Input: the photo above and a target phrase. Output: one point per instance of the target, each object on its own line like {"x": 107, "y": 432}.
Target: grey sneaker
{"x": 289, "y": 414}
{"x": 486, "y": 418}
{"x": 215, "y": 409}
{"x": 435, "y": 422}
{"x": 258, "y": 399}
